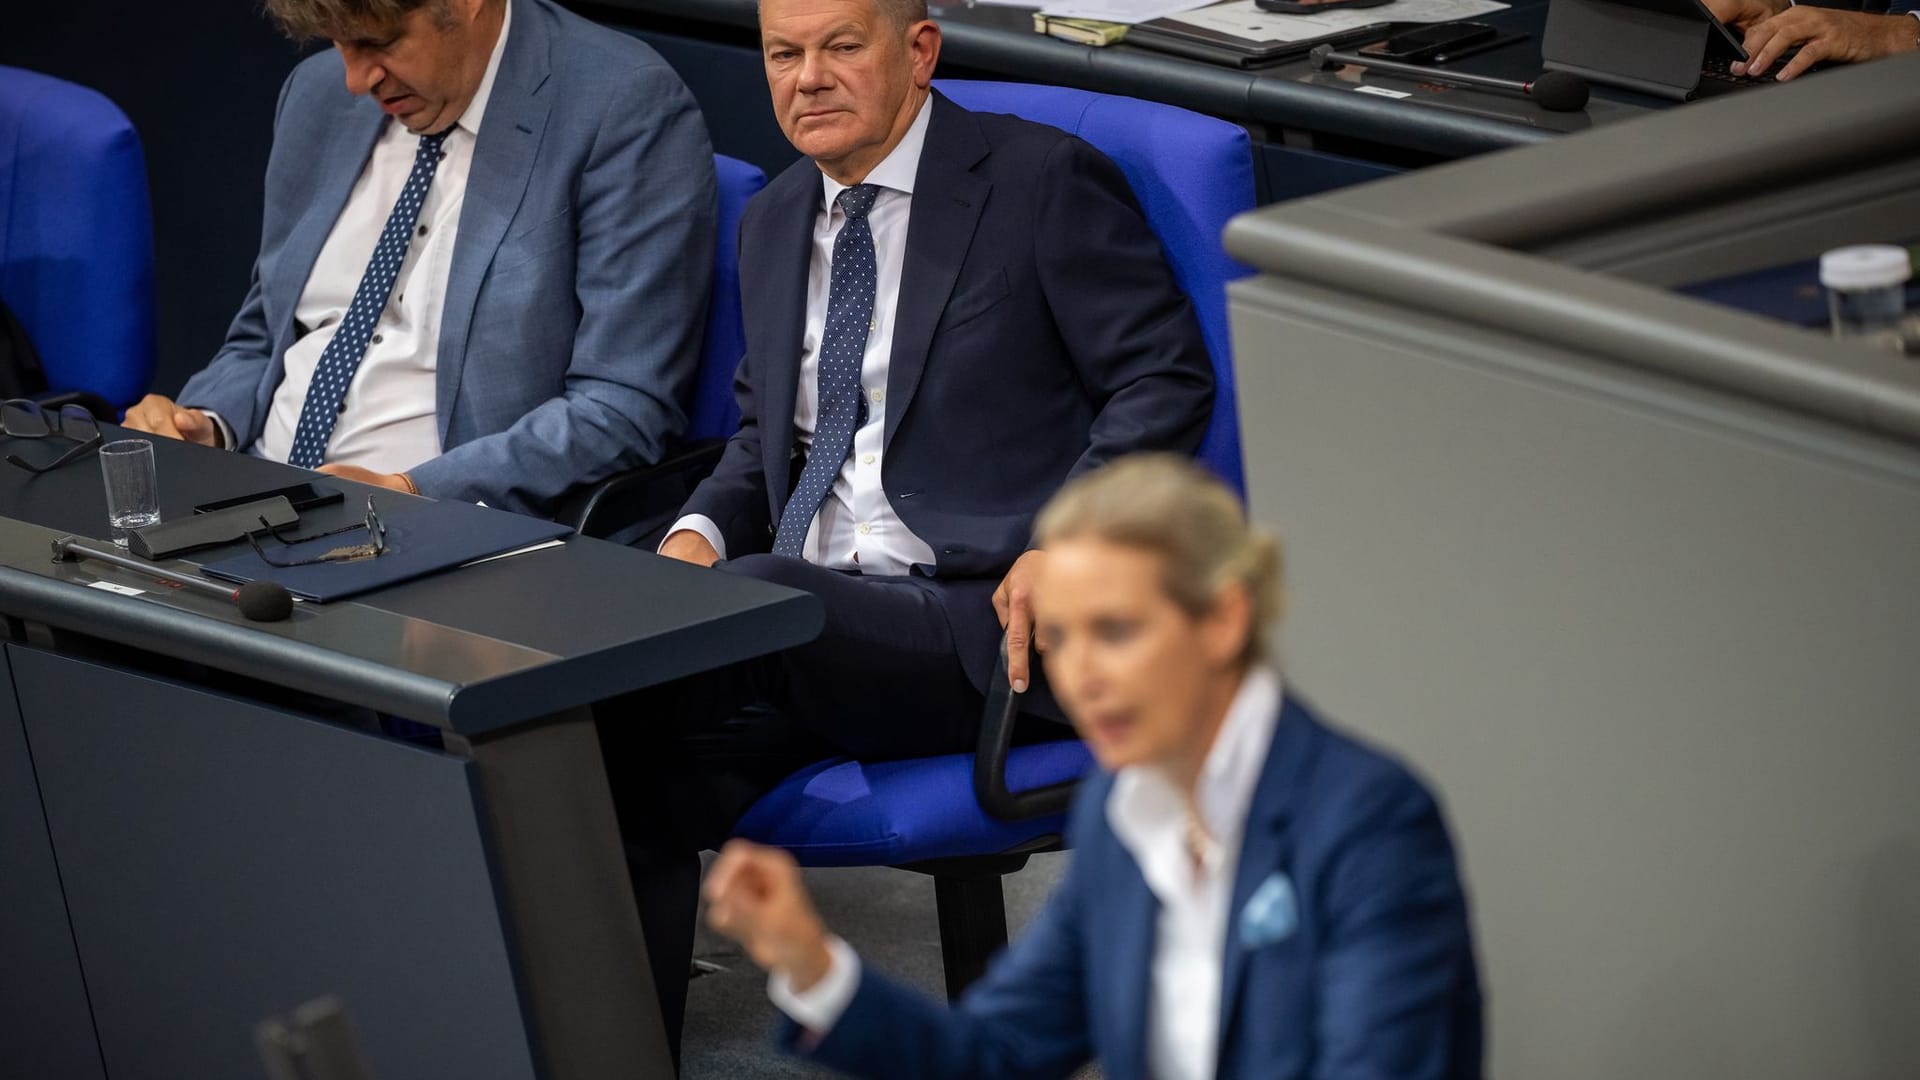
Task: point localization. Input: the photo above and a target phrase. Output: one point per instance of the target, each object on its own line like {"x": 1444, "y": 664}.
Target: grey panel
{"x": 1655, "y": 645}
{"x": 1624, "y": 175}
{"x": 46, "y": 1028}
{"x": 1423, "y": 271}
{"x": 224, "y": 861}
{"x": 1635, "y": 578}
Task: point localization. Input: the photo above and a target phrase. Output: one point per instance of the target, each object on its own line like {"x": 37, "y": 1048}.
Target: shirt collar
{"x": 477, "y": 110}
{"x": 1239, "y": 752}
{"x": 1145, "y": 808}
{"x": 897, "y": 170}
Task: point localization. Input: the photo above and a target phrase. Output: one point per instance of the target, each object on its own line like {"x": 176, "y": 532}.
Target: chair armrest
{"x": 642, "y": 499}
{"x": 990, "y": 758}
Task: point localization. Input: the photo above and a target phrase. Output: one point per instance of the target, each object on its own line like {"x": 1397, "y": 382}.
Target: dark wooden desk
{"x": 201, "y": 823}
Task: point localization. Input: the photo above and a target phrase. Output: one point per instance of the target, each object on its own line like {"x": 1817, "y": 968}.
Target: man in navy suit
{"x": 948, "y": 315}
{"x": 484, "y": 260}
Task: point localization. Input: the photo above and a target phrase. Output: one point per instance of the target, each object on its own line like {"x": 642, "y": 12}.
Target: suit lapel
{"x": 774, "y": 288}
{"x": 1267, "y": 846}
{"x": 503, "y": 158}
{"x": 947, "y": 200}
{"x": 341, "y": 163}
{"x": 1129, "y": 921}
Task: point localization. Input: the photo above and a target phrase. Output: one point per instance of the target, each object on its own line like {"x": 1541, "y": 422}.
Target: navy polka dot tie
{"x": 842, "y": 345}
{"x": 341, "y": 358}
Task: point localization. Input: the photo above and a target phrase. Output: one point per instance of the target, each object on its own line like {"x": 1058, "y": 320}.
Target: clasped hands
{"x": 159, "y": 415}
{"x": 1772, "y": 27}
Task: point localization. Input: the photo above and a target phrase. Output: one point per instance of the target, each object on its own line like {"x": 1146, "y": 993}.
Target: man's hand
{"x": 689, "y": 546}
{"x": 391, "y": 481}
{"x": 1741, "y": 14}
{"x": 158, "y": 415}
{"x": 755, "y": 896}
{"x": 1013, "y": 602}
{"x": 1825, "y": 34}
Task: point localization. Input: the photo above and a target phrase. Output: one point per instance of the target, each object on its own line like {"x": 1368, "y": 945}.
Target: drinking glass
{"x": 133, "y": 493}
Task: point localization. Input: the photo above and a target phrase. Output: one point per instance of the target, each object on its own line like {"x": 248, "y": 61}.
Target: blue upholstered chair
{"x": 76, "y": 237}
{"x": 1191, "y": 173}
{"x": 640, "y": 502}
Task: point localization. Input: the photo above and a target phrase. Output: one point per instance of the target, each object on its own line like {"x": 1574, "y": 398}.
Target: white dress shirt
{"x": 856, "y": 528}
{"x": 387, "y": 420}
{"x": 1149, "y": 816}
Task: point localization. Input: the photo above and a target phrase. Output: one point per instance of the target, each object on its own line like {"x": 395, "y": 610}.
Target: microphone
{"x": 1554, "y": 91}
{"x": 259, "y": 601}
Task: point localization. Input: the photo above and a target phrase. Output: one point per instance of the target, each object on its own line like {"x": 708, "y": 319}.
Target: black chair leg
{"x": 973, "y": 926}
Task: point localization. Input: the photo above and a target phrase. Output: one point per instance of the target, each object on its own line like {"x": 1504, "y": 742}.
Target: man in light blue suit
{"x": 484, "y": 259}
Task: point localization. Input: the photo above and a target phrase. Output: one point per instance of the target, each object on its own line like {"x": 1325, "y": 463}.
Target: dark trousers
{"x": 686, "y": 760}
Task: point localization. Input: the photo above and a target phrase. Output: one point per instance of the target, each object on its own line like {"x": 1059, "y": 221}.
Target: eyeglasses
{"x": 24, "y": 419}
{"x": 375, "y": 546}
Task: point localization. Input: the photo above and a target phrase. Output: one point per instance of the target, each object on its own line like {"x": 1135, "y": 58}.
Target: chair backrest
{"x": 716, "y": 414}
{"x": 76, "y": 235}
{"x": 1191, "y": 174}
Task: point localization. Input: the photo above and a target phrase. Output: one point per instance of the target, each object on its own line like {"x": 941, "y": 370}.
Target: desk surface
{"x": 473, "y": 650}
{"x": 1441, "y": 121}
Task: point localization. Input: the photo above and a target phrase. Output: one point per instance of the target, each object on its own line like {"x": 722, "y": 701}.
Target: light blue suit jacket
{"x": 1348, "y": 952}
{"x": 578, "y": 289}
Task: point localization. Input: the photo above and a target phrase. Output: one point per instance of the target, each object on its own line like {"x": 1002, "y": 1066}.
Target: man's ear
{"x": 923, "y": 46}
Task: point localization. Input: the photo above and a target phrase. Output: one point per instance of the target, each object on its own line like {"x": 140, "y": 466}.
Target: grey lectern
{"x": 202, "y": 823}
{"x": 1634, "y": 577}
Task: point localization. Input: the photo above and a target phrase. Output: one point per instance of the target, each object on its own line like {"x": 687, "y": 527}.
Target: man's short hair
{"x": 305, "y": 20}
{"x": 902, "y": 13}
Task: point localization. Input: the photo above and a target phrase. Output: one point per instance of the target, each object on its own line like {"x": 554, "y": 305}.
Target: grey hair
{"x": 306, "y": 20}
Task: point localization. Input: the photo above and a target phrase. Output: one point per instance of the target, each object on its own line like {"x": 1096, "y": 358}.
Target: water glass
{"x": 133, "y": 494}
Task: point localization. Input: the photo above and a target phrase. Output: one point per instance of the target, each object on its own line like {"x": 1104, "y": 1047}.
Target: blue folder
{"x": 423, "y": 537}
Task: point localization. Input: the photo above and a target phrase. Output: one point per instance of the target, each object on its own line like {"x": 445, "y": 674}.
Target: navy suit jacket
{"x": 1376, "y": 979}
{"x": 1039, "y": 334}
{"x": 577, "y": 295}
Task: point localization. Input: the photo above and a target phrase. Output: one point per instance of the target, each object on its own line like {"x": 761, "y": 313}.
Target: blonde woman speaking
{"x": 1252, "y": 893}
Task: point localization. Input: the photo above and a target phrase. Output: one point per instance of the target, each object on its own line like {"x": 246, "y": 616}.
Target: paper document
{"x": 1121, "y": 11}
{"x": 1242, "y": 19}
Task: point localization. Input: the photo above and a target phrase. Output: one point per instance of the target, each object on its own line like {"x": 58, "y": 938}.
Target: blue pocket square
{"x": 1271, "y": 915}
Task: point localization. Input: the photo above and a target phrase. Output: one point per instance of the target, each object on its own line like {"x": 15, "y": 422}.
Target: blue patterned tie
{"x": 842, "y": 345}
{"x": 342, "y": 356}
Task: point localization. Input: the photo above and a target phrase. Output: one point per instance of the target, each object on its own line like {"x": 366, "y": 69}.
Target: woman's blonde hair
{"x": 1171, "y": 506}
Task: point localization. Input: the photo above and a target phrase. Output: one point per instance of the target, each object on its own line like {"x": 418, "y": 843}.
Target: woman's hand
{"x": 755, "y": 896}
